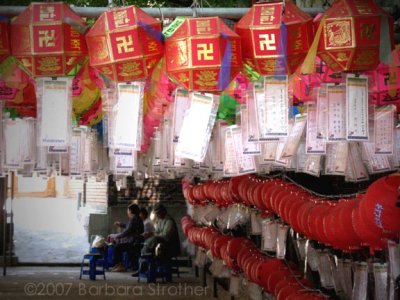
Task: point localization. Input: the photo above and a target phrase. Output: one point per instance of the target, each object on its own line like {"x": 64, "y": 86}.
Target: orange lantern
{"x": 4, "y": 39}
{"x": 202, "y": 54}
{"x": 275, "y": 37}
{"x": 125, "y": 44}
{"x": 350, "y": 36}
{"x": 43, "y": 40}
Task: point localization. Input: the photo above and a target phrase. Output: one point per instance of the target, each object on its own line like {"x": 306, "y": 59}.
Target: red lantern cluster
{"x": 43, "y": 40}
{"x": 347, "y": 224}
{"x": 239, "y": 254}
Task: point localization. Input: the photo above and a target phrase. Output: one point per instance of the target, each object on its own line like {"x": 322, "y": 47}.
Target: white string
{"x": 352, "y": 195}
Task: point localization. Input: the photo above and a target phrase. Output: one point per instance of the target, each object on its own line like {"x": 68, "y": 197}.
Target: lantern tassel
{"x": 385, "y": 50}
{"x": 308, "y": 66}
{"x": 154, "y": 33}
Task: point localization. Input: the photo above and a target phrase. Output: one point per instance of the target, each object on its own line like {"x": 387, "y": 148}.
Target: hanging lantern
{"x": 125, "y": 44}
{"x": 275, "y": 37}
{"x": 202, "y": 54}
{"x": 43, "y": 40}
{"x": 4, "y": 39}
{"x": 353, "y": 35}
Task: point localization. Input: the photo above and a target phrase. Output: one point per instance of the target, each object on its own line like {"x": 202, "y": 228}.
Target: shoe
{"x": 135, "y": 274}
{"x": 116, "y": 267}
{"x": 120, "y": 268}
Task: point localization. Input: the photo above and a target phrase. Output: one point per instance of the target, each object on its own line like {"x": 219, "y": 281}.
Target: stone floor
{"x": 63, "y": 283}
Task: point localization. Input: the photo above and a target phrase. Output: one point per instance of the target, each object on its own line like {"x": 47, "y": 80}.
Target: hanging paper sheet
{"x": 384, "y": 129}
{"x": 279, "y": 159}
{"x": 197, "y": 126}
{"x": 356, "y": 170}
{"x": 57, "y": 149}
{"x": 269, "y": 151}
{"x": 181, "y": 105}
{"x": 54, "y": 111}
{"x": 314, "y": 145}
{"x": 236, "y": 163}
{"x": 277, "y": 106}
{"x": 375, "y": 163}
{"x": 380, "y": 279}
{"x": 250, "y": 147}
{"x": 336, "y": 158}
{"x": 336, "y": 95}
{"x": 128, "y": 116}
{"x": 293, "y": 140}
{"x": 125, "y": 161}
{"x": 322, "y": 113}
{"x": 357, "y": 108}
{"x": 261, "y": 110}
{"x": 2, "y": 143}
{"x": 360, "y": 281}
{"x": 218, "y": 146}
{"x": 75, "y": 155}
{"x": 253, "y": 134}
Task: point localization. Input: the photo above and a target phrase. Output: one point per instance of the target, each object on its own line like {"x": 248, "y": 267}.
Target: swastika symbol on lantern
{"x": 267, "y": 42}
{"x": 47, "y": 13}
{"x": 124, "y": 44}
{"x": 121, "y": 18}
{"x": 205, "y": 51}
{"x": 47, "y": 38}
{"x": 368, "y": 31}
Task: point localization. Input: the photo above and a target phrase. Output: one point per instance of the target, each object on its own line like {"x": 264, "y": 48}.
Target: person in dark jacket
{"x": 131, "y": 234}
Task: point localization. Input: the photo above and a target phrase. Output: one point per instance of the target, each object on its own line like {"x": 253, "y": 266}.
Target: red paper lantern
{"x": 270, "y": 47}
{"x": 5, "y": 49}
{"x": 202, "y": 54}
{"x": 43, "y": 40}
{"x": 125, "y": 44}
{"x": 351, "y": 35}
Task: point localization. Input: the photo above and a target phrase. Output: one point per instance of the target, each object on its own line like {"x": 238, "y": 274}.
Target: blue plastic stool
{"x": 95, "y": 259}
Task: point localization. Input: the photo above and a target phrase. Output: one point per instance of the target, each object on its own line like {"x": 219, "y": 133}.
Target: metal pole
{"x": 11, "y": 238}
{"x": 5, "y": 226}
{"x": 168, "y": 12}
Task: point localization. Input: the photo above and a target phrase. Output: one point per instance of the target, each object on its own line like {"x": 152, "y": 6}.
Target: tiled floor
{"x": 64, "y": 283}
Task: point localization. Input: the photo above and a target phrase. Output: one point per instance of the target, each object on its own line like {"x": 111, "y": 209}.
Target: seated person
{"x": 126, "y": 240}
{"x": 166, "y": 234}
{"x": 147, "y": 223}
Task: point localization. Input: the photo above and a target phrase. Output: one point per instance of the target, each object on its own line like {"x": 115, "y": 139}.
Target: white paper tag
{"x": 312, "y": 165}
{"x": 54, "y": 111}
{"x": 394, "y": 259}
{"x": 360, "y": 281}
{"x": 201, "y": 258}
{"x": 301, "y": 245}
{"x": 375, "y": 163}
{"x": 279, "y": 160}
{"x": 75, "y": 155}
{"x": 254, "y": 291}
{"x": 314, "y": 145}
{"x": 269, "y": 234}
{"x": 250, "y": 146}
{"x": 128, "y": 116}
{"x": 252, "y": 116}
{"x": 384, "y": 129}
{"x": 181, "y": 105}
{"x": 336, "y": 158}
{"x": 269, "y": 151}
{"x": 345, "y": 277}
{"x": 199, "y": 119}
{"x": 293, "y": 140}
{"x": 256, "y": 223}
{"x": 281, "y": 241}
{"x": 277, "y": 106}
{"x": 124, "y": 161}
{"x": 322, "y": 113}
{"x": 336, "y": 95}
{"x": 261, "y": 110}
{"x": 324, "y": 269}
{"x": 311, "y": 257}
{"x": 234, "y": 285}
{"x": 355, "y": 165}
{"x": 357, "y": 128}
{"x": 380, "y": 278}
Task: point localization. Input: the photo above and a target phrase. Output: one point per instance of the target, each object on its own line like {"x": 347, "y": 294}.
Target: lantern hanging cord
{"x": 352, "y": 195}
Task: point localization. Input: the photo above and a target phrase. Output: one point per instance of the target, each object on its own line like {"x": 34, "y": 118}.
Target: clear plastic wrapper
{"x": 197, "y": 126}
{"x": 384, "y": 123}
{"x": 336, "y": 158}
{"x": 322, "y": 113}
{"x": 311, "y": 257}
{"x": 54, "y": 110}
{"x": 375, "y": 163}
{"x": 181, "y": 105}
{"x": 345, "y": 277}
{"x": 360, "y": 281}
{"x": 256, "y": 223}
{"x": 314, "y": 145}
{"x": 380, "y": 279}
{"x": 296, "y": 133}
{"x": 269, "y": 234}
{"x": 324, "y": 269}
{"x": 336, "y": 95}
{"x": 238, "y": 215}
{"x": 234, "y": 285}
{"x": 356, "y": 170}
{"x": 357, "y": 128}
{"x": 281, "y": 241}
{"x": 127, "y": 116}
